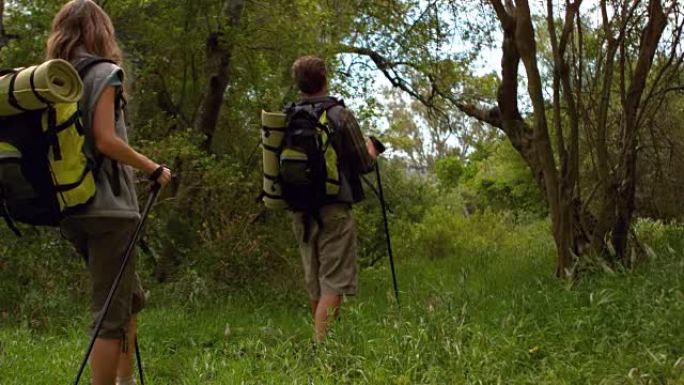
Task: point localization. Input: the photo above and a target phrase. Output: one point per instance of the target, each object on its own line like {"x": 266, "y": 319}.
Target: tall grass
{"x": 486, "y": 311}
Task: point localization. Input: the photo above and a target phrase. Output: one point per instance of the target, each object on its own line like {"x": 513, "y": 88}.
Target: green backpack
{"x": 44, "y": 171}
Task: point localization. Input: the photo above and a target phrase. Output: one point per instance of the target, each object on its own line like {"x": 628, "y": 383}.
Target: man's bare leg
{"x": 327, "y": 311}
{"x": 104, "y": 360}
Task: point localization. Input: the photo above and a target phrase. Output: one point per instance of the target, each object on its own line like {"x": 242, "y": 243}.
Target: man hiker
{"x": 327, "y": 237}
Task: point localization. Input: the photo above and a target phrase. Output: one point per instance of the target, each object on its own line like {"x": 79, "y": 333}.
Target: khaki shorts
{"x": 103, "y": 243}
{"x": 329, "y": 255}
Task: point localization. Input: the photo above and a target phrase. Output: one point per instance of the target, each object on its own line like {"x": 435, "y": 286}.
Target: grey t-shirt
{"x": 108, "y": 203}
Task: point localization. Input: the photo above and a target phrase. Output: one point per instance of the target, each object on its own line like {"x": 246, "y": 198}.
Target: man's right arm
{"x": 357, "y": 148}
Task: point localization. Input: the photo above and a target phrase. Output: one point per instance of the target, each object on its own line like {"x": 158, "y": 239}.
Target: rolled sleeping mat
{"x": 35, "y": 87}
{"x": 272, "y": 133}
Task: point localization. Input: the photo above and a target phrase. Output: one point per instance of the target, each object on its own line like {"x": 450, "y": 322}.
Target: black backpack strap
{"x": 317, "y": 110}
{"x": 320, "y": 105}
{"x": 32, "y": 80}
{"x": 314, "y": 108}
{"x": 289, "y": 108}
{"x": 333, "y": 102}
{"x": 11, "y": 98}
{"x": 52, "y": 132}
{"x": 85, "y": 65}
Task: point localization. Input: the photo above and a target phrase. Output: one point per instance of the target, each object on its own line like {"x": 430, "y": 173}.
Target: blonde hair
{"x": 82, "y": 24}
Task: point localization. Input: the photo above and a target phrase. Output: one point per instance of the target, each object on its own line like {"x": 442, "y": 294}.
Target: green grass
{"x": 484, "y": 309}
{"x": 492, "y": 317}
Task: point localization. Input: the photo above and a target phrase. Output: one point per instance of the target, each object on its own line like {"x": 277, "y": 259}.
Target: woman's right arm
{"x": 111, "y": 146}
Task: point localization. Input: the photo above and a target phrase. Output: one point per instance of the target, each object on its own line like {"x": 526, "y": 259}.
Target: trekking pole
{"x": 154, "y": 193}
{"x": 139, "y": 359}
{"x": 381, "y": 196}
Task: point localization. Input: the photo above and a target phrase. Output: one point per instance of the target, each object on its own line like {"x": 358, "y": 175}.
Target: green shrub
{"x": 495, "y": 177}
{"x": 489, "y": 246}
{"x": 659, "y": 238}
{"x": 41, "y": 277}
{"x": 449, "y": 171}
{"x": 408, "y": 197}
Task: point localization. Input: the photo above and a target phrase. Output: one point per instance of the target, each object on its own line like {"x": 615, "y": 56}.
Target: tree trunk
{"x": 558, "y": 189}
{"x": 628, "y": 158}
{"x": 219, "y": 53}
{"x": 575, "y": 230}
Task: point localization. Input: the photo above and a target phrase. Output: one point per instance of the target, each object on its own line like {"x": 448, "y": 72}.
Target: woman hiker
{"x": 102, "y": 230}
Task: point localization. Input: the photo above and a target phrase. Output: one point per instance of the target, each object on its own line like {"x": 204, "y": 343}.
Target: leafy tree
{"x": 603, "y": 82}
{"x": 449, "y": 171}
{"x": 598, "y": 130}
{"x": 498, "y": 178}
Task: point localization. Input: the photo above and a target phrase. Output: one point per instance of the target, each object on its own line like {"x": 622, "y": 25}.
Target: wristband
{"x": 157, "y": 173}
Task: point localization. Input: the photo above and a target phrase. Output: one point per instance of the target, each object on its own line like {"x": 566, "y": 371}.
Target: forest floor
{"x": 460, "y": 322}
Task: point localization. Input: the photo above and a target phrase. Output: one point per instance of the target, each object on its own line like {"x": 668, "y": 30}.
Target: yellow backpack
{"x": 44, "y": 171}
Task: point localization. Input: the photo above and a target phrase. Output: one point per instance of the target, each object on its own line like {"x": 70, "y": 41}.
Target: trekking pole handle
{"x": 157, "y": 172}
{"x": 379, "y": 147}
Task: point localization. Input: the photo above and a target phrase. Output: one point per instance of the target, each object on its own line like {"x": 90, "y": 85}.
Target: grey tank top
{"x": 109, "y": 201}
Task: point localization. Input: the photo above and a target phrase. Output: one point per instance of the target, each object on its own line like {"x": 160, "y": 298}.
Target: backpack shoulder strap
{"x": 314, "y": 110}
{"x": 289, "y": 107}
{"x": 85, "y": 65}
{"x": 326, "y": 107}
{"x": 301, "y": 108}
{"x": 333, "y": 102}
